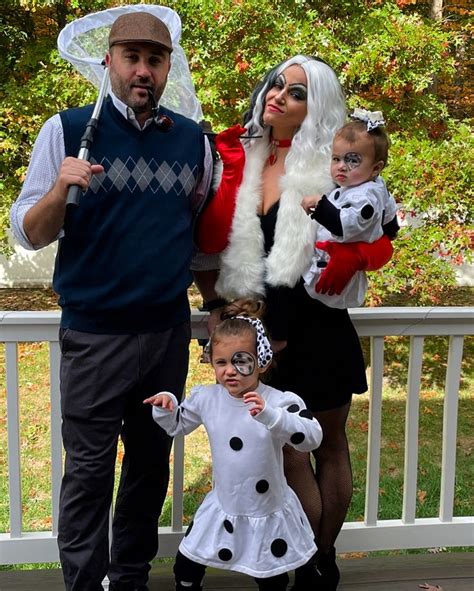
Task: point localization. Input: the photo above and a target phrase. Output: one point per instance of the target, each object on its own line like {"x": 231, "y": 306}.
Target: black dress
{"x": 323, "y": 361}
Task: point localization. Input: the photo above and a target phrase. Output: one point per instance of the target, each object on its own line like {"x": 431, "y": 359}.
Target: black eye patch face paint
{"x": 352, "y": 160}
{"x": 244, "y": 362}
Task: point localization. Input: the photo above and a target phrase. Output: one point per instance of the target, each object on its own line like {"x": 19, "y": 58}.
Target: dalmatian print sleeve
{"x": 292, "y": 422}
{"x": 184, "y": 417}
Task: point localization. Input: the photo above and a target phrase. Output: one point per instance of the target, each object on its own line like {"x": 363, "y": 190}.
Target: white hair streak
{"x": 326, "y": 112}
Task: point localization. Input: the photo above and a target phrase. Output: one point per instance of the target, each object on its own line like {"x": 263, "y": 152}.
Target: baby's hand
{"x": 162, "y": 400}
{"x": 309, "y": 203}
{"x": 259, "y": 402}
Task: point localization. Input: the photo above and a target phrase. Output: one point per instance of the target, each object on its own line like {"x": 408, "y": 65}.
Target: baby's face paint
{"x": 244, "y": 362}
{"x": 352, "y": 160}
{"x": 352, "y": 163}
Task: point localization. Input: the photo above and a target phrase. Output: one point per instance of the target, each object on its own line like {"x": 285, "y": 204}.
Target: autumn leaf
{"x": 421, "y": 496}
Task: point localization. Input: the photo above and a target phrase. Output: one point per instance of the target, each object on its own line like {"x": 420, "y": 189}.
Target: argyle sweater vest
{"x": 123, "y": 263}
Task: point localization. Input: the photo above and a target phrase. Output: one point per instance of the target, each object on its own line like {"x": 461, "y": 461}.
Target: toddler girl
{"x": 360, "y": 209}
{"x": 251, "y": 521}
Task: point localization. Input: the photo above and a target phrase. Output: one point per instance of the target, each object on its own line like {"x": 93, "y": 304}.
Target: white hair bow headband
{"x": 264, "y": 349}
{"x": 373, "y": 119}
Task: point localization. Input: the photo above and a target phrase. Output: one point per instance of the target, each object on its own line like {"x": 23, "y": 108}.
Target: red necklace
{"x": 274, "y": 144}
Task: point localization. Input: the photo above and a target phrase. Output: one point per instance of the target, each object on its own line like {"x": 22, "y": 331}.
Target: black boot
{"x": 307, "y": 577}
{"x": 329, "y": 572}
{"x": 194, "y": 587}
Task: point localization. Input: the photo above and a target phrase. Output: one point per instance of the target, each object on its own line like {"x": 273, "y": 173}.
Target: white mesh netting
{"x": 84, "y": 42}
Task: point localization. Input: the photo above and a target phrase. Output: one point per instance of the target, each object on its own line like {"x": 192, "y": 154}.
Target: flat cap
{"x": 140, "y": 27}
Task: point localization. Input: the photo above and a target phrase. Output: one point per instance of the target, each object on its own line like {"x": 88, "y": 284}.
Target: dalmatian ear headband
{"x": 264, "y": 349}
{"x": 373, "y": 119}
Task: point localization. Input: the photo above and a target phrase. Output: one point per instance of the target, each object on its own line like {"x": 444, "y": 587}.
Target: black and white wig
{"x": 326, "y": 110}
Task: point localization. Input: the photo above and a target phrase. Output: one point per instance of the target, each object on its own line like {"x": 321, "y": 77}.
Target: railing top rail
{"x": 381, "y": 313}
{"x": 449, "y": 320}
{"x": 464, "y": 313}
{"x": 34, "y": 317}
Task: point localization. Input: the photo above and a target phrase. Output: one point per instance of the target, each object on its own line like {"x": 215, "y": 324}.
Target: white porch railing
{"x": 20, "y": 546}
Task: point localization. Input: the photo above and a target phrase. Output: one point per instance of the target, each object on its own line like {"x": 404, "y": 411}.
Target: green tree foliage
{"x": 432, "y": 179}
{"x": 390, "y": 55}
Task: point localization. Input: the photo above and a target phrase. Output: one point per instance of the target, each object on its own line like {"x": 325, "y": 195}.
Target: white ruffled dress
{"x": 252, "y": 521}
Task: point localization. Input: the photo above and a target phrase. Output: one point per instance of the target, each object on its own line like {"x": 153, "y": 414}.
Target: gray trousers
{"x": 104, "y": 380}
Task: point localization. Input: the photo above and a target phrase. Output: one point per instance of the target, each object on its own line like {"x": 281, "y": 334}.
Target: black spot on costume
{"x": 236, "y": 443}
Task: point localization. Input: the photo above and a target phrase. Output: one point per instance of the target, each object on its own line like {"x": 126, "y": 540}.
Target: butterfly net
{"x": 84, "y": 42}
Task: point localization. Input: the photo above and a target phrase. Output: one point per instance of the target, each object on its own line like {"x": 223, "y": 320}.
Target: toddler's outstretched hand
{"x": 259, "y": 402}
{"x": 162, "y": 400}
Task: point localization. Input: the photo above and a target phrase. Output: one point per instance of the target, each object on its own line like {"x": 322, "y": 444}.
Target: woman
{"x": 294, "y": 114}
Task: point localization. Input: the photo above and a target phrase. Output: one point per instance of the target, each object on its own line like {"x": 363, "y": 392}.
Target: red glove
{"x": 215, "y": 222}
{"x": 229, "y": 146}
{"x": 347, "y": 258}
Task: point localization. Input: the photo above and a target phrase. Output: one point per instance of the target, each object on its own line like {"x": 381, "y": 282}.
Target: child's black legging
{"x": 188, "y": 571}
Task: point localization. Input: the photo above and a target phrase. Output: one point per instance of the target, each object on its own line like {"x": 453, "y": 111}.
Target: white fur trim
{"x": 244, "y": 267}
{"x": 242, "y": 263}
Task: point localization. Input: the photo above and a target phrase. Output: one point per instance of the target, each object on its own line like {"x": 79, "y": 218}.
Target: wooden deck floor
{"x": 452, "y": 571}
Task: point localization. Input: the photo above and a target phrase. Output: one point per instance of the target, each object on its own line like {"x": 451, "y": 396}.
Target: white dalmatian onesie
{"x": 252, "y": 521}
{"x": 363, "y": 210}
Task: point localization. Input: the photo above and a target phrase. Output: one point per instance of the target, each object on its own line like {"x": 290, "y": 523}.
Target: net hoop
{"x": 84, "y": 42}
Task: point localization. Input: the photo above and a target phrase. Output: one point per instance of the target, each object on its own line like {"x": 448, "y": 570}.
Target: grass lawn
{"x": 35, "y": 445}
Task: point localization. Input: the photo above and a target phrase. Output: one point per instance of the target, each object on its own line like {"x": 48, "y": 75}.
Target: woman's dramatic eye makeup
{"x": 280, "y": 81}
{"x": 298, "y": 91}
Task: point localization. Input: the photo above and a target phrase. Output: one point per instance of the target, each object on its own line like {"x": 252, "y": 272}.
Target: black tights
{"x": 325, "y": 492}
{"x": 188, "y": 571}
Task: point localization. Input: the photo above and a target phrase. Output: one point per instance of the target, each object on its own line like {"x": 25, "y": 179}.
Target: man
{"x": 122, "y": 273}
